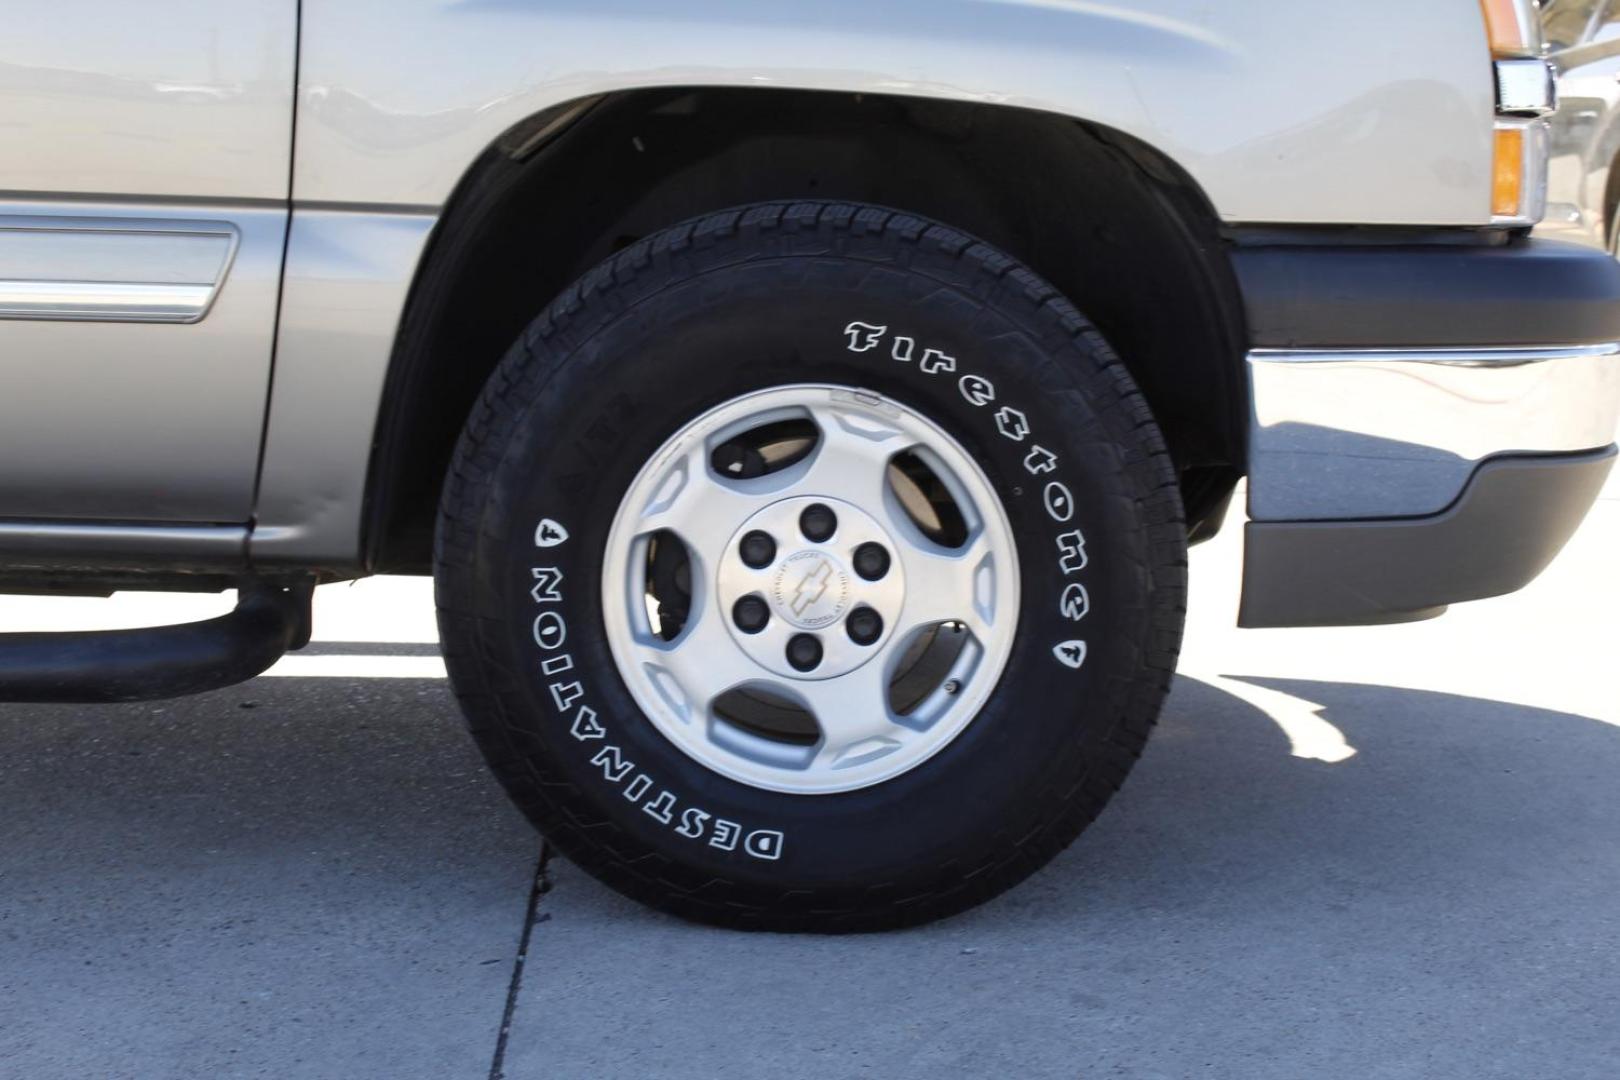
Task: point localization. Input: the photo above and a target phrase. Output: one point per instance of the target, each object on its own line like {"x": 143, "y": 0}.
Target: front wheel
{"x": 811, "y": 567}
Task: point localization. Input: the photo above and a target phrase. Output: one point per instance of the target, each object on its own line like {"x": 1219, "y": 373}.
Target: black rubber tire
{"x": 761, "y": 296}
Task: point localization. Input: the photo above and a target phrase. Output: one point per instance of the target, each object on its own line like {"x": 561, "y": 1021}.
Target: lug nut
{"x": 864, "y": 625}
{"x": 750, "y": 614}
{"x": 803, "y": 652}
{"x": 871, "y": 561}
{"x": 757, "y": 549}
{"x": 818, "y": 522}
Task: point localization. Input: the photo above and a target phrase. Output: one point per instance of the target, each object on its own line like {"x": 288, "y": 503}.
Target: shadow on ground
{"x": 326, "y": 884}
{"x": 1442, "y": 903}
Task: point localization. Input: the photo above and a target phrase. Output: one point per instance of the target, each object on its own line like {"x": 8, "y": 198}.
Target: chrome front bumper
{"x": 1355, "y": 434}
{"x": 1429, "y": 421}
{"x": 1387, "y": 484}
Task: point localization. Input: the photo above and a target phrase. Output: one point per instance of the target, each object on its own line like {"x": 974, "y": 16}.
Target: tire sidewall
{"x": 601, "y": 396}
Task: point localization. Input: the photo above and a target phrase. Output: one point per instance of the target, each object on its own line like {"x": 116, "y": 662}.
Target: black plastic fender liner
{"x": 96, "y": 666}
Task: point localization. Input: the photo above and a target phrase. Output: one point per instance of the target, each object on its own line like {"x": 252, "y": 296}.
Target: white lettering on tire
{"x": 549, "y": 630}
{"x": 610, "y": 759}
{"x": 864, "y": 336}
{"x": 585, "y": 728}
{"x": 692, "y": 822}
{"x": 763, "y": 844}
{"x": 565, "y": 694}
{"x": 637, "y": 786}
{"x": 1039, "y": 460}
{"x": 1059, "y": 503}
{"x": 1012, "y": 423}
{"x": 662, "y": 808}
{"x": 976, "y": 391}
{"x": 725, "y": 834}
{"x": 1075, "y": 602}
{"x": 1072, "y": 551}
{"x": 549, "y": 533}
{"x": 547, "y": 585}
{"x": 1071, "y": 654}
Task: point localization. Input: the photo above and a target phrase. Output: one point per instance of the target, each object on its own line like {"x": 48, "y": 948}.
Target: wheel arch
{"x": 1610, "y": 207}
{"x": 1113, "y": 223}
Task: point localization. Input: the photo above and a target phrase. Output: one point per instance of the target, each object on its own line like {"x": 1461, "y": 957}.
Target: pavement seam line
{"x": 540, "y": 886}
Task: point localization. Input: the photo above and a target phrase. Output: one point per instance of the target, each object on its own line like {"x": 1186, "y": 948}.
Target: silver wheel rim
{"x": 954, "y": 599}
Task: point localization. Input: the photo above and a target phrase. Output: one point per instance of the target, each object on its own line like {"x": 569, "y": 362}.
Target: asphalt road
{"x": 1369, "y": 853}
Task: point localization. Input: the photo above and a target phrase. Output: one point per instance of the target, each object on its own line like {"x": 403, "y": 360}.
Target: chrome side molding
{"x": 107, "y": 301}
{"x": 1338, "y": 433}
{"x": 98, "y": 269}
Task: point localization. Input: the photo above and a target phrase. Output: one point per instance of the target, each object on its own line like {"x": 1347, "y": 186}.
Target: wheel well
{"x": 1119, "y": 229}
{"x": 1611, "y": 200}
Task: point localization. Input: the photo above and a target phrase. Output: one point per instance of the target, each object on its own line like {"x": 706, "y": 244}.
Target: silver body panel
{"x": 348, "y": 275}
{"x": 1257, "y": 102}
{"x": 1340, "y": 434}
{"x": 179, "y": 117}
{"x": 168, "y": 99}
{"x": 154, "y": 418}
{"x": 147, "y": 148}
{"x": 1310, "y": 112}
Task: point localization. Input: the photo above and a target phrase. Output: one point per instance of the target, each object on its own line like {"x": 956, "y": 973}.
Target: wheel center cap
{"x": 810, "y": 589}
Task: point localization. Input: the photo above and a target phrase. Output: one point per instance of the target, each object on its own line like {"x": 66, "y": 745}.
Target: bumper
{"x": 1393, "y": 471}
{"x": 1512, "y": 519}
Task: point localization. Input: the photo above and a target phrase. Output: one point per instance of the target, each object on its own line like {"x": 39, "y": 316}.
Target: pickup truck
{"x": 803, "y": 409}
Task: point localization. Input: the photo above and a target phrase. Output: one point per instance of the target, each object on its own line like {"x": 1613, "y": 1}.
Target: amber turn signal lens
{"x": 1507, "y": 172}
{"x": 1507, "y": 24}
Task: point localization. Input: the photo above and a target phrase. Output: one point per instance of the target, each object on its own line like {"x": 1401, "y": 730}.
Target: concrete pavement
{"x": 291, "y": 879}
{"x": 1383, "y": 852}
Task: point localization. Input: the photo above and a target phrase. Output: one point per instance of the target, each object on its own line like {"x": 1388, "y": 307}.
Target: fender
{"x": 1309, "y": 112}
{"x": 1265, "y": 107}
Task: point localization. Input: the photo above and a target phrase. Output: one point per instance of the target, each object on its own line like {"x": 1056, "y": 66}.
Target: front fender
{"x": 1313, "y": 111}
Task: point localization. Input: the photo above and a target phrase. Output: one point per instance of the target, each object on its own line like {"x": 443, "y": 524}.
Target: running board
{"x": 93, "y": 666}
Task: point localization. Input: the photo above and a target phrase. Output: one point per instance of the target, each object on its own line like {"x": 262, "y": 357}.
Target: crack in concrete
{"x": 531, "y": 918}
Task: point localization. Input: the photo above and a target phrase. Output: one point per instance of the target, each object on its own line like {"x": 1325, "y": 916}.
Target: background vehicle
{"x": 1583, "y": 190}
{"x": 803, "y": 412}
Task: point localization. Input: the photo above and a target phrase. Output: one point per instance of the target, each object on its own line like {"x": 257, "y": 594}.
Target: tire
{"x": 932, "y": 327}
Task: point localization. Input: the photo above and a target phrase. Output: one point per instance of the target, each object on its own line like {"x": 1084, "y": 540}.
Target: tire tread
{"x": 1107, "y": 390}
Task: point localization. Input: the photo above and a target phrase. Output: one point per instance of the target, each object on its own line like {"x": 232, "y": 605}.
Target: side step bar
{"x": 93, "y": 666}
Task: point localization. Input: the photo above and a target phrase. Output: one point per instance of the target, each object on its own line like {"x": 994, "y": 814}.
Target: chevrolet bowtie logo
{"x": 812, "y": 587}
